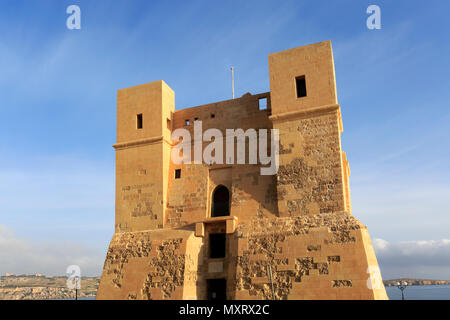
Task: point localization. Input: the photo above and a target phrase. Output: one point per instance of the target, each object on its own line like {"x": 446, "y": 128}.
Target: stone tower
{"x": 222, "y": 230}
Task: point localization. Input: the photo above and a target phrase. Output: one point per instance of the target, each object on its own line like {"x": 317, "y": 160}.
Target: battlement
{"x": 234, "y": 113}
{"x": 302, "y": 78}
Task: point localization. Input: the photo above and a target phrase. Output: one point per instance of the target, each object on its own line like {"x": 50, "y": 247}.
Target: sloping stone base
{"x": 324, "y": 256}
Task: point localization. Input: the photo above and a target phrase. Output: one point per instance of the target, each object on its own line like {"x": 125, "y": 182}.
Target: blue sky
{"x": 58, "y": 102}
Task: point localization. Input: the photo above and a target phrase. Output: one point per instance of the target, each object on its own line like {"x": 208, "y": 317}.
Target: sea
{"x": 429, "y": 292}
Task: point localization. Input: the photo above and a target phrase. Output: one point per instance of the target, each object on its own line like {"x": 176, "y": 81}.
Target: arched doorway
{"x": 220, "y": 202}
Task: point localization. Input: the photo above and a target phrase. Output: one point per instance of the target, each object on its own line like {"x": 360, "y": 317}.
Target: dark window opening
{"x": 301, "y": 86}
{"x": 169, "y": 125}
{"x": 177, "y": 173}
{"x": 262, "y": 103}
{"x": 213, "y": 115}
{"x": 139, "y": 121}
{"x": 221, "y": 202}
{"x": 216, "y": 289}
{"x": 195, "y": 119}
{"x": 217, "y": 245}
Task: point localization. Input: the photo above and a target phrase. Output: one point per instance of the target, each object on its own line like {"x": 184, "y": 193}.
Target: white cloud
{"x": 22, "y": 256}
{"x": 415, "y": 259}
{"x": 380, "y": 244}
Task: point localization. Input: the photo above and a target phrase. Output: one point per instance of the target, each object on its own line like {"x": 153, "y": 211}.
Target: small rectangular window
{"x": 139, "y": 121}
{"x": 186, "y": 122}
{"x": 195, "y": 119}
{"x": 213, "y": 115}
{"x": 217, "y": 245}
{"x": 177, "y": 173}
{"x": 262, "y": 103}
{"x": 169, "y": 124}
{"x": 301, "y": 86}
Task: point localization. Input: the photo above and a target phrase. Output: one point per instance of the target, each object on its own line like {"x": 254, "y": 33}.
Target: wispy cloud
{"x": 428, "y": 259}
{"x": 23, "y": 256}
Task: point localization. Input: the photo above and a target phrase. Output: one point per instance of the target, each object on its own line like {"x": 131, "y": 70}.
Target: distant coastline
{"x": 41, "y": 287}
{"x": 415, "y": 282}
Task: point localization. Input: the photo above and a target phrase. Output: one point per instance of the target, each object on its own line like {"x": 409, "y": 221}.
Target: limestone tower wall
{"x": 224, "y": 230}
{"x": 313, "y": 175}
{"x": 143, "y": 155}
